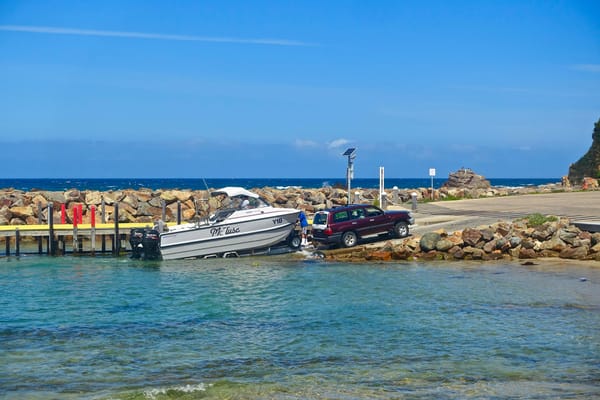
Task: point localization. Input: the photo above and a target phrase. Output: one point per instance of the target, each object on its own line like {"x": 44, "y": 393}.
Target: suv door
{"x": 358, "y": 221}
{"x": 375, "y": 221}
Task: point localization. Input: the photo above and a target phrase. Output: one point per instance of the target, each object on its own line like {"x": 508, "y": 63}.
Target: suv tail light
{"x": 328, "y": 231}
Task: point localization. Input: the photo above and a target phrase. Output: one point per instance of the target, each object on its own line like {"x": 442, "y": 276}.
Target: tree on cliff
{"x": 589, "y": 164}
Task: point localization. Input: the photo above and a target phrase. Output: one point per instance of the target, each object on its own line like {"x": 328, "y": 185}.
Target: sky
{"x": 280, "y": 89}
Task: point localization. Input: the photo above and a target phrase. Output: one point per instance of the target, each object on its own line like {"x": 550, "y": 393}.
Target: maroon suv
{"x": 346, "y": 225}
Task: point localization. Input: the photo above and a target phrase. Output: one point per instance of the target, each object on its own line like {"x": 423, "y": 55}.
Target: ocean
{"x": 282, "y": 328}
{"x": 214, "y": 183}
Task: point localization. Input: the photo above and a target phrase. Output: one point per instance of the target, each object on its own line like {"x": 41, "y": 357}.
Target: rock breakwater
{"x": 502, "y": 240}
{"x": 144, "y": 205}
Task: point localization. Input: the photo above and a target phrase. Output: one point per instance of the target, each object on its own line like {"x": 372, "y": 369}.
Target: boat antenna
{"x": 208, "y": 191}
{"x": 206, "y": 186}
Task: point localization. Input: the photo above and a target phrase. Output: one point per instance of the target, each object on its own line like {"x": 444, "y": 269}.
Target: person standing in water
{"x": 303, "y": 227}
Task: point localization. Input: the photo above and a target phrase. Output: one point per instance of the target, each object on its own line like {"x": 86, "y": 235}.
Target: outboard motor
{"x": 151, "y": 243}
{"x": 135, "y": 240}
{"x": 145, "y": 243}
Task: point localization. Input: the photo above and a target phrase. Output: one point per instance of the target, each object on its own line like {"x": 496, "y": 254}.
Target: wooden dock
{"x": 80, "y": 239}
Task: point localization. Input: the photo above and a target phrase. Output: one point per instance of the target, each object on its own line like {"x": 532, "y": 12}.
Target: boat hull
{"x": 243, "y": 232}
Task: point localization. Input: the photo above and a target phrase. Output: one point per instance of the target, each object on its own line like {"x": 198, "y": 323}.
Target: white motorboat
{"x": 247, "y": 224}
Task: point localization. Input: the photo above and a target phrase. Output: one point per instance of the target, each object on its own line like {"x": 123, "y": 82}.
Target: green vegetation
{"x": 538, "y": 219}
{"x": 589, "y": 164}
{"x": 452, "y": 198}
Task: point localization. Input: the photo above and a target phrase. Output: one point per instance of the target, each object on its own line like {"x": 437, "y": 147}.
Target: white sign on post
{"x": 381, "y": 185}
{"x": 431, "y": 174}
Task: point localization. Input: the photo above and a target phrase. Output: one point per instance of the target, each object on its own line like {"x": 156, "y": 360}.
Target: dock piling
{"x": 103, "y": 220}
{"x": 17, "y": 242}
{"x": 117, "y": 239}
{"x": 93, "y": 230}
{"x": 51, "y": 249}
{"x": 75, "y": 222}
{"x": 39, "y": 238}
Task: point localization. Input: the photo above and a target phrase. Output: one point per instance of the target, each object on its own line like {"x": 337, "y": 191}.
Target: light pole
{"x": 351, "y": 153}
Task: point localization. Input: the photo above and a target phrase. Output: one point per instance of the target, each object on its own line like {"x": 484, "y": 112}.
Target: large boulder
{"x": 93, "y": 197}
{"x": 22, "y": 212}
{"x": 5, "y": 215}
{"x": 171, "y": 196}
{"x": 74, "y": 195}
{"x": 471, "y": 236}
{"x": 429, "y": 241}
{"x": 467, "y": 179}
{"x": 574, "y": 253}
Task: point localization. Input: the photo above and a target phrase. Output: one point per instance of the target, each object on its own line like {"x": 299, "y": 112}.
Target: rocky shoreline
{"x": 501, "y": 240}
{"x": 522, "y": 239}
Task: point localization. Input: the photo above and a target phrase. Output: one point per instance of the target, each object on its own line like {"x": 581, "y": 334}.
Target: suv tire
{"x": 349, "y": 239}
{"x": 401, "y": 229}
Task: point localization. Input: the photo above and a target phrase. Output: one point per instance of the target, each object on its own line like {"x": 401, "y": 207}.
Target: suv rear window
{"x": 320, "y": 218}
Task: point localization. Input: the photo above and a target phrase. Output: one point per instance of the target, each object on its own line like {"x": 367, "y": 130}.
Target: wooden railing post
{"x": 117, "y": 239}
{"x": 51, "y": 249}
{"x": 39, "y": 238}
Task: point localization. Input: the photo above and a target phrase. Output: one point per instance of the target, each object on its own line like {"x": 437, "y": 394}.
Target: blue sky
{"x": 281, "y": 88}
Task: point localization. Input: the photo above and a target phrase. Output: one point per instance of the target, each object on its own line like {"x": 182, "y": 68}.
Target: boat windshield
{"x": 260, "y": 202}
{"x": 243, "y": 202}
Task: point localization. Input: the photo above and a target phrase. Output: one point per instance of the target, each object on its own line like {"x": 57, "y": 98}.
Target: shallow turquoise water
{"x": 273, "y": 328}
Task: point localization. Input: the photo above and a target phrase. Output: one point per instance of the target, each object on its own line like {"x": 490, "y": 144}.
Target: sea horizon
{"x": 104, "y": 184}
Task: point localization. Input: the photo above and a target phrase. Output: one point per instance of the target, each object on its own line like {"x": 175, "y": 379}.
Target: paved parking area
{"x": 579, "y": 207}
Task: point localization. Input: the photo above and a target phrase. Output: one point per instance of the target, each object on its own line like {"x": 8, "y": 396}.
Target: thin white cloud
{"x": 489, "y": 89}
{"x": 586, "y": 67}
{"x": 463, "y": 148}
{"x": 305, "y": 143}
{"x": 337, "y": 143}
{"x": 153, "y": 36}
{"x": 524, "y": 148}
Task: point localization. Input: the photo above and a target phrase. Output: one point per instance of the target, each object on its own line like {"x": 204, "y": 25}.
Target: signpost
{"x": 351, "y": 153}
{"x": 431, "y": 174}
{"x": 381, "y": 186}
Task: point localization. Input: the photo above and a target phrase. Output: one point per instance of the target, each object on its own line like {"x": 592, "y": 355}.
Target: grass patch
{"x": 538, "y": 219}
{"x": 452, "y": 198}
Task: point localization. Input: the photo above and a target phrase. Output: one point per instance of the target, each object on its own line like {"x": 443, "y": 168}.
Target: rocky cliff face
{"x": 589, "y": 164}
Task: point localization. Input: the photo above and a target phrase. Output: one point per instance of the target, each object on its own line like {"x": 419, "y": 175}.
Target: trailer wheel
{"x": 294, "y": 241}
